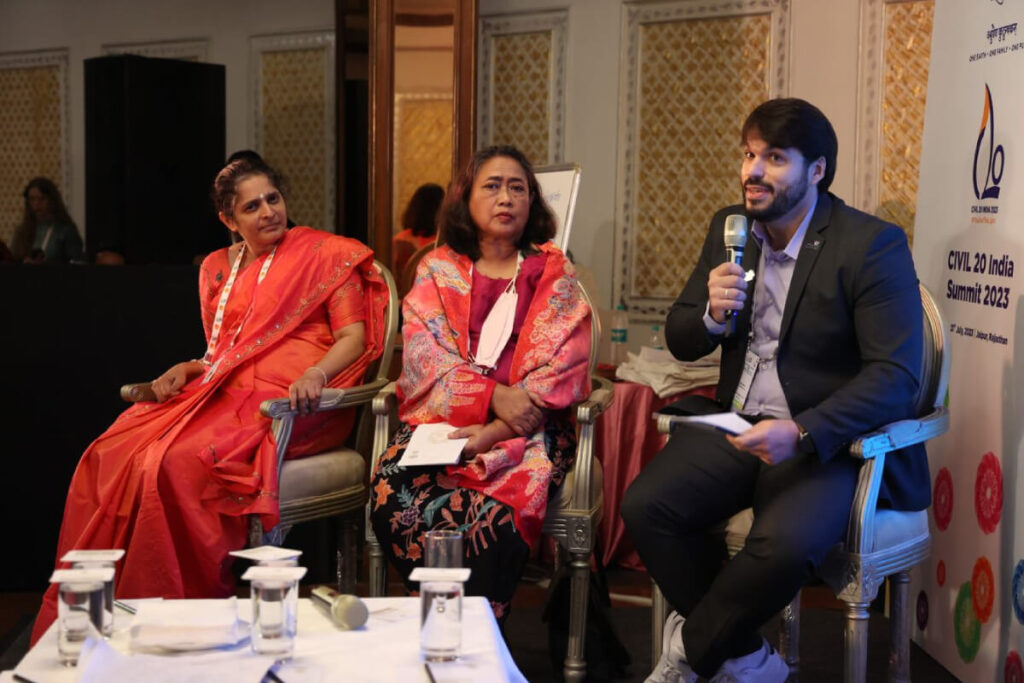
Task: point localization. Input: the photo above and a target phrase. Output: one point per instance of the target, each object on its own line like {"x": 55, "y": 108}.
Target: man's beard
{"x": 783, "y": 200}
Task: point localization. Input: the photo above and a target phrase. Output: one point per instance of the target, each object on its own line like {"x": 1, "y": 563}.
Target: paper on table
{"x": 187, "y": 625}
{"x": 730, "y": 423}
{"x": 430, "y": 445}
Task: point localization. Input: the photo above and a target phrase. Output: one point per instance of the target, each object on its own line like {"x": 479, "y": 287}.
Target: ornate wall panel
{"x": 34, "y": 128}
{"x": 293, "y": 119}
{"x": 423, "y": 144}
{"x": 894, "y": 67}
{"x": 521, "y": 84}
{"x": 188, "y": 50}
{"x": 691, "y": 74}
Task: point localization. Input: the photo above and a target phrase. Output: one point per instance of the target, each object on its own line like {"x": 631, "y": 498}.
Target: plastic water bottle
{"x": 620, "y": 335}
{"x": 657, "y": 342}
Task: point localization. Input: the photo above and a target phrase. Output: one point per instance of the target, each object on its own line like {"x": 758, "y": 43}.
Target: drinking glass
{"x": 275, "y": 604}
{"x": 79, "y": 610}
{"x": 440, "y": 620}
{"x": 108, "y": 593}
{"x": 442, "y": 549}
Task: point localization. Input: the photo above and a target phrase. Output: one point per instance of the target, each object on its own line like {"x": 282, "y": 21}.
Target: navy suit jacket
{"x": 850, "y": 344}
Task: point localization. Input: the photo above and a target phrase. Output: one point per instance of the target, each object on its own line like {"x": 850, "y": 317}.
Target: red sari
{"x": 173, "y": 482}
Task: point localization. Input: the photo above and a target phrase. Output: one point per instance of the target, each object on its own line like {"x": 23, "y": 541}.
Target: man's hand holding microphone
{"x": 727, "y": 284}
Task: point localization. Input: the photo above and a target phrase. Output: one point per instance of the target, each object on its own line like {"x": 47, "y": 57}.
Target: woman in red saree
{"x": 508, "y": 392}
{"x": 286, "y": 312}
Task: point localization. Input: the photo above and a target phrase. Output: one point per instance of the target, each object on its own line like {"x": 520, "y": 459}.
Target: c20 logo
{"x": 988, "y": 174}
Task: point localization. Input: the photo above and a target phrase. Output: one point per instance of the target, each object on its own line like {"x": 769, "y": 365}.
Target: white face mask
{"x": 497, "y": 327}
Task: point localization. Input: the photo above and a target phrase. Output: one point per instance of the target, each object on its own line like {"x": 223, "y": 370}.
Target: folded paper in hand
{"x": 187, "y": 625}
{"x": 430, "y": 445}
{"x": 730, "y": 423}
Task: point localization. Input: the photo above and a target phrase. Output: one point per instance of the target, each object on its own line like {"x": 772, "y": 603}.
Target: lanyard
{"x": 218, "y": 318}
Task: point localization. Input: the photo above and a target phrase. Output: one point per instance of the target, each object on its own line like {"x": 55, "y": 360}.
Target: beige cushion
{"x": 321, "y": 474}
{"x": 563, "y": 497}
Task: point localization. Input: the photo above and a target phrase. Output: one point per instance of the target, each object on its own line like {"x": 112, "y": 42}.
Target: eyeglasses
{"x": 517, "y": 189}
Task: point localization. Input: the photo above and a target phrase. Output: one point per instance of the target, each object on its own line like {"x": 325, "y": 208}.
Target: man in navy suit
{"x": 827, "y": 346}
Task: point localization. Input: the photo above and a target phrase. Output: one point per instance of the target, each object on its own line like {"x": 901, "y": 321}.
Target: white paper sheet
{"x": 430, "y": 445}
{"x": 730, "y": 423}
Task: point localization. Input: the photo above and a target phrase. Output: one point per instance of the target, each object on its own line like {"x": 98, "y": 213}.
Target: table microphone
{"x": 735, "y": 242}
{"x": 346, "y": 611}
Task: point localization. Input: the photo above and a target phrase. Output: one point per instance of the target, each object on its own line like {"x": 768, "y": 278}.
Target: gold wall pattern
{"x": 292, "y": 128}
{"x": 423, "y": 145}
{"x": 31, "y": 122}
{"x": 907, "y": 50}
{"x": 698, "y": 80}
{"x": 521, "y": 88}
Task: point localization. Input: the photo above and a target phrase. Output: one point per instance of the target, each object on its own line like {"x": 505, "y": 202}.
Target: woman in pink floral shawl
{"x": 497, "y": 342}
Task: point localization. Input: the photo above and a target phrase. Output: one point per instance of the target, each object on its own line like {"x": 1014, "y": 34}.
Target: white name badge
{"x": 750, "y": 364}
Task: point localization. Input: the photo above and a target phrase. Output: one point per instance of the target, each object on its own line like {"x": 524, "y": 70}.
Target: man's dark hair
{"x": 791, "y": 122}
{"x": 457, "y": 228}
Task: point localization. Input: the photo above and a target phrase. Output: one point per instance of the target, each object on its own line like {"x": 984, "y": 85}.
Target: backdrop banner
{"x": 970, "y": 593}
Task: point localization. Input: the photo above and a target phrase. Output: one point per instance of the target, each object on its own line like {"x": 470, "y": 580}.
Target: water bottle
{"x": 656, "y": 340}
{"x": 620, "y": 332}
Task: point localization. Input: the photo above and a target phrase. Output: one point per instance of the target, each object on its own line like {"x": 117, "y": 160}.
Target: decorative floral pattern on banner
{"x": 988, "y": 493}
{"x": 940, "y": 573}
{"x": 982, "y": 589}
{"x": 1013, "y": 670}
{"x": 942, "y": 499}
{"x": 922, "y": 610}
{"x": 966, "y": 627}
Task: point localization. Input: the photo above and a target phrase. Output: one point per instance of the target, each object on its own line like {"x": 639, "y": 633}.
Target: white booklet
{"x": 430, "y": 445}
{"x": 730, "y": 423}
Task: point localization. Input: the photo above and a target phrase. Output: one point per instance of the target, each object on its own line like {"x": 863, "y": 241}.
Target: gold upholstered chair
{"x": 332, "y": 483}
{"x": 880, "y": 543}
{"x": 573, "y": 512}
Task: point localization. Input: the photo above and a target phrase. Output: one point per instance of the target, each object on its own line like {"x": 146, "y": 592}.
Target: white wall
{"x": 823, "y": 44}
{"x": 84, "y": 26}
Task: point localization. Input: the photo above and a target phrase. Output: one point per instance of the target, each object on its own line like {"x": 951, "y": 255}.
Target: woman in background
{"x": 496, "y": 342}
{"x": 419, "y": 226}
{"x": 46, "y": 233}
{"x": 286, "y": 313}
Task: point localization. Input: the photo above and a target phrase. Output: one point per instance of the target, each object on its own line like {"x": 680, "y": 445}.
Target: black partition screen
{"x": 154, "y": 140}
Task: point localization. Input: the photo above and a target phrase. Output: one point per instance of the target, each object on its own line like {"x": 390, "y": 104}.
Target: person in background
{"x": 419, "y": 226}
{"x": 173, "y": 481}
{"x": 827, "y": 346}
{"x": 497, "y": 343}
{"x": 46, "y": 233}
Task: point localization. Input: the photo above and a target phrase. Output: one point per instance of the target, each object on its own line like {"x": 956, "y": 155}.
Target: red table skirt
{"x": 626, "y": 439}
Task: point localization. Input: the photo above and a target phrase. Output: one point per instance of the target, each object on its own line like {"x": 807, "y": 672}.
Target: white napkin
{"x": 187, "y": 625}
{"x": 100, "y": 663}
{"x": 659, "y": 370}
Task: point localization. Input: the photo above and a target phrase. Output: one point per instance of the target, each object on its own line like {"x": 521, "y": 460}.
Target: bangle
{"x": 317, "y": 367}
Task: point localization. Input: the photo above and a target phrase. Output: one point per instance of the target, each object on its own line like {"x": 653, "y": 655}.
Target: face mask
{"x": 497, "y": 327}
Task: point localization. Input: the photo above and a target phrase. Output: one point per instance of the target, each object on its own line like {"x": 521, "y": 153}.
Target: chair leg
{"x": 255, "y": 531}
{"x": 789, "y": 638}
{"x": 347, "y": 554}
{"x": 659, "y": 613}
{"x": 899, "y": 628}
{"x": 378, "y": 570}
{"x": 575, "y": 667}
{"x": 856, "y": 647}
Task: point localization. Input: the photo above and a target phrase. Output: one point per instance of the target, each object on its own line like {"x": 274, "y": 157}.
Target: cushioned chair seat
{"x": 325, "y": 472}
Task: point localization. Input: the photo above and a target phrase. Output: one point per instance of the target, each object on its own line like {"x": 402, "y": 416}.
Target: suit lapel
{"x": 814, "y": 240}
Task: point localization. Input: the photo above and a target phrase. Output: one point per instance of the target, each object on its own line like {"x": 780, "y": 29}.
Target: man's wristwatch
{"x": 804, "y": 443}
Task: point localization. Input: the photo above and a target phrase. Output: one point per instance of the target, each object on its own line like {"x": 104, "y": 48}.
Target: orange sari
{"x": 172, "y": 482}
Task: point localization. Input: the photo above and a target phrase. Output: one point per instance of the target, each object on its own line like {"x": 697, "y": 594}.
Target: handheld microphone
{"x": 735, "y": 243}
{"x": 346, "y": 611}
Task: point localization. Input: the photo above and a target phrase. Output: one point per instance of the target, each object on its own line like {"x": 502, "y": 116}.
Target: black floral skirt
{"x": 408, "y": 502}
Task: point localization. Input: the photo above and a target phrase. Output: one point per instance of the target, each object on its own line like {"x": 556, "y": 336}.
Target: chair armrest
{"x": 330, "y": 399}
{"x": 901, "y": 434}
{"x": 138, "y": 392}
{"x": 598, "y": 402}
{"x": 385, "y": 399}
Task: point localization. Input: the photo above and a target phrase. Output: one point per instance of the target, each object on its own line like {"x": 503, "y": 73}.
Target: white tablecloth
{"x": 385, "y": 649}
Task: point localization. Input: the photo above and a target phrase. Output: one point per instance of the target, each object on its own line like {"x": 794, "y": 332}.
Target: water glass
{"x": 442, "y": 549}
{"x": 440, "y": 620}
{"x": 79, "y": 611}
{"x": 108, "y": 594}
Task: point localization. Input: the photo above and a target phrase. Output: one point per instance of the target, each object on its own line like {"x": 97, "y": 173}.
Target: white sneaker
{"x": 761, "y": 666}
{"x": 672, "y": 666}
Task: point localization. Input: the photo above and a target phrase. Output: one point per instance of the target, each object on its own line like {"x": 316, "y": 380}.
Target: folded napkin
{"x": 659, "y": 370}
{"x": 187, "y": 625}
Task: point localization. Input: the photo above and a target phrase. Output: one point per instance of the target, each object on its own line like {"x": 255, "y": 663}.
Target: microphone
{"x": 346, "y": 611}
{"x": 735, "y": 242}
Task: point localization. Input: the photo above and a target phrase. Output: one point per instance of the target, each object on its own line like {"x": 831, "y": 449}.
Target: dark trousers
{"x": 698, "y": 481}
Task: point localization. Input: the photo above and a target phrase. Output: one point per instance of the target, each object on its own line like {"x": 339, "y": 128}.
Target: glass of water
{"x": 108, "y": 595}
{"x": 79, "y": 612}
{"x": 275, "y": 603}
{"x": 442, "y": 548}
{"x": 440, "y": 620}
